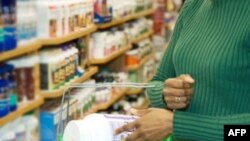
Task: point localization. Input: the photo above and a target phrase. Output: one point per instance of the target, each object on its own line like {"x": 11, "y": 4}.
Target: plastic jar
{"x": 9, "y": 21}
{"x": 8, "y": 135}
{"x": 97, "y": 127}
{"x": 4, "y": 106}
{"x": 20, "y": 132}
{"x": 12, "y": 87}
{"x": 131, "y": 58}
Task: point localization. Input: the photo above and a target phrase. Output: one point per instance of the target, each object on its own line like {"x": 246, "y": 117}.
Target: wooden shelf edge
{"x": 125, "y": 19}
{"x": 109, "y": 103}
{"x": 142, "y": 37}
{"x": 142, "y": 62}
{"x": 70, "y": 37}
{"x": 111, "y": 57}
{"x": 20, "y": 50}
{"x": 142, "y": 14}
{"x": 59, "y": 93}
{"x": 22, "y": 109}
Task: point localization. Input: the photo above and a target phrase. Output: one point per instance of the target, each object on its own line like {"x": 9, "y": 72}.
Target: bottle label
{"x": 13, "y": 99}
{"x": 4, "y": 104}
{"x": 117, "y": 121}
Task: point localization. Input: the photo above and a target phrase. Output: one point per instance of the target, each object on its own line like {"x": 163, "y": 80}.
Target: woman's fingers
{"x": 177, "y": 105}
{"x": 173, "y": 99}
{"x": 168, "y": 91}
{"x": 178, "y": 91}
{"x": 174, "y": 83}
{"x": 128, "y": 127}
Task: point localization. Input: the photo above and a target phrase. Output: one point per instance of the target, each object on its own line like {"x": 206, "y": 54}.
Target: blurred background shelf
{"x": 143, "y": 36}
{"x": 20, "y": 50}
{"x": 106, "y": 105}
{"x": 58, "y": 93}
{"x": 125, "y": 19}
{"x": 22, "y": 109}
{"x": 142, "y": 62}
{"x": 111, "y": 57}
{"x": 136, "y": 91}
{"x": 66, "y": 38}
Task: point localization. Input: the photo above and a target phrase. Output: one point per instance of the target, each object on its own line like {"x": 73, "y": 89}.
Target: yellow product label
{"x": 56, "y": 78}
{"x": 72, "y": 65}
{"x": 67, "y": 70}
{"x": 62, "y": 74}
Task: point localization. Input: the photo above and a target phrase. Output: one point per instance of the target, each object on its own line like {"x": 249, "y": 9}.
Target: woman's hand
{"x": 178, "y": 91}
{"x": 153, "y": 125}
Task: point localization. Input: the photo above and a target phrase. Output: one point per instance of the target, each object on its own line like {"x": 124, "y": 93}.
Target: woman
{"x": 204, "y": 76}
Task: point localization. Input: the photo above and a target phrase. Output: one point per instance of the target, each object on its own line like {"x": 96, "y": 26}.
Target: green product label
{"x": 1, "y": 35}
{"x": 13, "y": 99}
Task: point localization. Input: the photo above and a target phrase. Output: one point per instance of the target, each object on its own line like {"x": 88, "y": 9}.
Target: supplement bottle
{"x": 4, "y": 107}
{"x": 97, "y": 127}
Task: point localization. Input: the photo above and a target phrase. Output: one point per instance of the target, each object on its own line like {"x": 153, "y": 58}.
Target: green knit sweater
{"x": 211, "y": 42}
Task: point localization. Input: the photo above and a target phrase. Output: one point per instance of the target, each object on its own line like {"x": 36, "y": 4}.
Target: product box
{"x": 49, "y": 118}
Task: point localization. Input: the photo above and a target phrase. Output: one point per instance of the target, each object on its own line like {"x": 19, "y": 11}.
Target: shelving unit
{"x": 59, "y": 93}
{"x": 143, "y": 36}
{"x": 69, "y": 37}
{"x": 111, "y": 57}
{"x": 22, "y": 109}
{"x": 142, "y": 62}
{"x": 20, "y": 50}
{"x": 125, "y": 19}
{"x": 35, "y": 46}
{"x": 137, "y": 91}
{"x": 105, "y": 106}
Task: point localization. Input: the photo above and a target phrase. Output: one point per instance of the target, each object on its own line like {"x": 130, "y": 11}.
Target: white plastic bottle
{"x": 8, "y": 134}
{"x": 49, "y": 19}
{"x": 97, "y": 127}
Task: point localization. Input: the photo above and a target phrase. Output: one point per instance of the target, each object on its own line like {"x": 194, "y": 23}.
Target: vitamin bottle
{"x": 1, "y": 29}
{"x": 9, "y": 21}
{"x": 97, "y": 127}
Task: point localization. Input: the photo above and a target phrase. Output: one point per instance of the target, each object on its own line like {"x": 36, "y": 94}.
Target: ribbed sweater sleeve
{"x": 166, "y": 69}
{"x": 200, "y": 127}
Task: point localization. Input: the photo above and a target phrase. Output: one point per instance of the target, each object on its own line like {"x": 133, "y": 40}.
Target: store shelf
{"x": 143, "y": 36}
{"x": 111, "y": 57}
{"x": 22, "y": 109}
{"x": 142, "y": 62}
{"x": 105, "y": 106}
{"x": 137, "y": 91}
{"x": 70, "y": 37}
{"x": 125, "y": 19}
{"x": 59, "y": 93}
{"x": 20, "y": 50}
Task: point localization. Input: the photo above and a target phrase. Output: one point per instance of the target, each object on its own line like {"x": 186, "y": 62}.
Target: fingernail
{"x": 189, "y": 79}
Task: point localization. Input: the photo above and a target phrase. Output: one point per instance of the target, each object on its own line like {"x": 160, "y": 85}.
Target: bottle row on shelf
{"x": 104, "y": 43}
{"x": 23, "y": 22}
{"x": 134, "y": 57}
{"x": 83, "y": 101}
{"x": 22, "y": 129}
